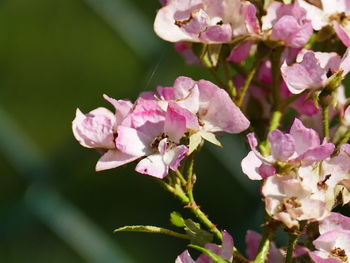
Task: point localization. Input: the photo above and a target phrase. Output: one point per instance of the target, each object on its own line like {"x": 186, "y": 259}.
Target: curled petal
{"x": 95, "y": 129}
{"x": 173, "y": 157}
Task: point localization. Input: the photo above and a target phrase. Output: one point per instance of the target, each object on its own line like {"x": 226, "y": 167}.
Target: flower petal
{"x": 112, "y": 159}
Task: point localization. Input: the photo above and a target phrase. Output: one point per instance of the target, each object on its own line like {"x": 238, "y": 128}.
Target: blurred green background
{"x": 56, "y": 56}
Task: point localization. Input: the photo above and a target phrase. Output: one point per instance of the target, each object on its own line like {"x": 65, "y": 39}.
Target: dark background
{"x": 56, "y": 56}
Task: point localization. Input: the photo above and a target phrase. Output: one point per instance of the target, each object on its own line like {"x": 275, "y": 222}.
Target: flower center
{"x": 341, "y": 18}
{"x": 339, "y": 254}
{"x": 156, "y": 141}
{"x": 291, "y": 202}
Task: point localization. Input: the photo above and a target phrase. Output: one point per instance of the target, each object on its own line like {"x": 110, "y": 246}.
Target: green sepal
{"x": 214, "y": 257}
{"x": 177, "y": 220}
{"x": 197, "y": 235}
{"x": 210, "y": 55}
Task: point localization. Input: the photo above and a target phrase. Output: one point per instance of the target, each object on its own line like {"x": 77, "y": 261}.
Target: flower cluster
{"x": 272, "y": 62}
{"x": 159, "y": 126}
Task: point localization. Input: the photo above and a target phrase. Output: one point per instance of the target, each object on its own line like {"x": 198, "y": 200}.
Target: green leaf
{"x": 177, "y": 220}
{"x": 152, "y": 230}
{"x": 197, "y": 235}
{"x": 210, "y": 137}
{"x": 210, "y": 55}
{"x": 195, "y": 141}
{"x": 214, "y": 257}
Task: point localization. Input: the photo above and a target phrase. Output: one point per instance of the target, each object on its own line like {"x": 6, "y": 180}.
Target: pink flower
{"x": 290, "y": 201}
{"x": 151, "y": 132}
{"x": 205, "y": 21}
{"x": 332, "y": 247}
{"x": 301, "y": 146}
{"x": 334, "y": 13}
{"x": 225, "y": 251}
{"x": 98, "y": 128}
{"x": 288, "y": 24}
{"x": 312, "y": 70}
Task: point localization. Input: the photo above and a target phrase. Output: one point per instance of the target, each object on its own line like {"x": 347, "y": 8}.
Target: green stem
{"x": 290, "y": 249}
{"x": 275, "y": 120}
{"x": 242, "y": 71}
{"x": 274, "y": 124}
{"x": 343, "y": 140}
{"x": 176, "y": 191}
{"x": 180, "y": 176}
{"x": 152, "y": 230}
{"x": 190, "y": 182}
{"x": 325, "y": 121}
{"x": 231, "y": 89}
{"x": 247, "y": 82}
{"x": 195, "y": 209}
{"x": 261, "y": 257}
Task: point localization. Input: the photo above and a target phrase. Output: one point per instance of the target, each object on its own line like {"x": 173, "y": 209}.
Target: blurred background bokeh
{"x": 56, "y": 56}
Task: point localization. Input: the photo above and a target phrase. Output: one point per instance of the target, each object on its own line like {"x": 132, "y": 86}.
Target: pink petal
{"x": 335, "y": 221}
{"x": 342, "y": 34}
{"x": 317, "y": 259}
{"x": 164, "y": 24}
{"x": 282, "y": 145}
{"x": 153, "y": 165}
{"x": 314, "y": 14}
{"x": 217, "y": 34}
{"x": 166, "y": 93}
{"x": 304, "y": 138}
{"x": 250, "y": 165}
{"x": 240, "y": 52}
{"x": 227, "y": 246}
{"x": 316, "y": 154}
{"x": 288, "y": 30}
{"x": 266, "y": 171}
{"x": 191, "y": 119}
{"x": 174, "y": 156}
{"x": 203, "y": 258}
{"x": 175, "y": 124}
{"x": 252, "y": 23}
{"x": 345, "y": 63}
{"x": 223, "y": 115}
{"x": 112, "y": 159}
{"x": 95, "y": 129}
{"x": 132, "y": 141}
{"x": 306, "y": 75}
{"x": 252, "y": 240}
{"x": 122, "y": 108}
{"x": 184, "y": 257}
